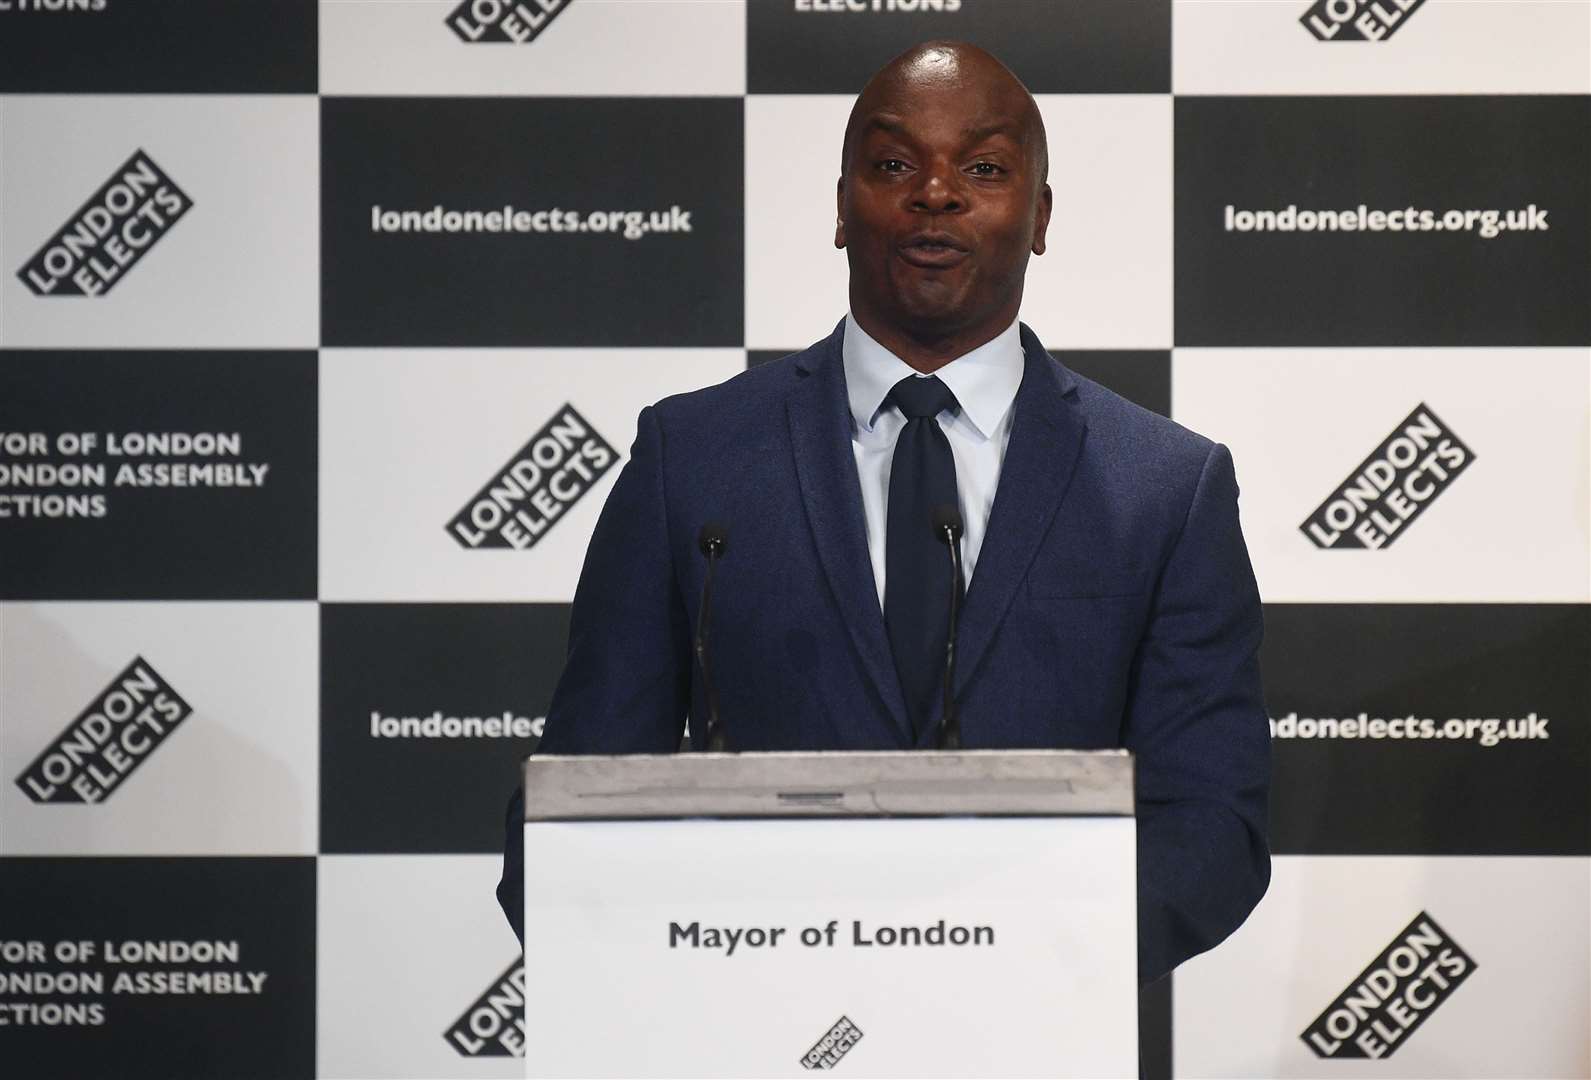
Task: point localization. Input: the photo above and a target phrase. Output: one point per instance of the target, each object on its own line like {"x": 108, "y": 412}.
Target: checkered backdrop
{"x": 290, "y": 290}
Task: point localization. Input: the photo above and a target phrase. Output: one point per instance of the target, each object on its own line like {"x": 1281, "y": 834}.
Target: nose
{"x": 938, "y": 190}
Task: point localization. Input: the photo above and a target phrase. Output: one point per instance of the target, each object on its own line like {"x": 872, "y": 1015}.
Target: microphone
{"x": 947, "y": 527}
{"x": 711, "y": 541}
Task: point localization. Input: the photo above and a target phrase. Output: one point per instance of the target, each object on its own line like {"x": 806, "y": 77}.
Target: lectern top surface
{"x": 830, "y": 784}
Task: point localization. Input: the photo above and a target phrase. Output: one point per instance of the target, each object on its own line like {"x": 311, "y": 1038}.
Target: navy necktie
{"x": 916, "y": 565}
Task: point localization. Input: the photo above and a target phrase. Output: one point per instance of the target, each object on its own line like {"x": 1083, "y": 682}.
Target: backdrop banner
{"x": 324, "y": 327}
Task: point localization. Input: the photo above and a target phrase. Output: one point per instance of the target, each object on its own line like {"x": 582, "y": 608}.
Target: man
{"x": 1109, "y": 599}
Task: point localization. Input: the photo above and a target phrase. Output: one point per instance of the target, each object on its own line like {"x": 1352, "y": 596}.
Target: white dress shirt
{"x": 984, "y": 382}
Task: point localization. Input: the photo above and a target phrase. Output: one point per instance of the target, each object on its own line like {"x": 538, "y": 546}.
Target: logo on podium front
{"x": 835, "y": 1044}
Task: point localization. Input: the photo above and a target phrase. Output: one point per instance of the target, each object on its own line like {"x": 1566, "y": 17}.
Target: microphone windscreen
{"x": 712, "y": 537}
{"x": 947, "y": 520}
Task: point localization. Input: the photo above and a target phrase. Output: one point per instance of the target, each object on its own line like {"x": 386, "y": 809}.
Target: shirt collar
{"x": 984, "y": 380}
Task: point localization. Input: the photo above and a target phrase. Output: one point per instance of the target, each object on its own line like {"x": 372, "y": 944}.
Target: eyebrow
{"x": 884, "y": 122}
{"x": 978, "y": 134}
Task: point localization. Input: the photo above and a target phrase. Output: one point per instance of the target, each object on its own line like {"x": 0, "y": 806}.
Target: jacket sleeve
{"x": 625, "y": 687}
{"x": 1197, "y": 723}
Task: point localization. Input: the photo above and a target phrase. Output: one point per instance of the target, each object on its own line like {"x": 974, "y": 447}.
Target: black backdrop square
{"x": 166, "y": 543}
{"x": 1142, "y": 376}
{"x": 1383, "y": 288}
{"x": 160, "y": 47}
{"x": 265, "y": 905}
{"x": 537, "y": 288}
{"x": 1439, "y": 797}
{"x": 1054, "y": 46}
{"x": 428, "y": 795}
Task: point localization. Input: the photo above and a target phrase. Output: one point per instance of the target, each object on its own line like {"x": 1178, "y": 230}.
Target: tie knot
{"x": 918, "y": 398}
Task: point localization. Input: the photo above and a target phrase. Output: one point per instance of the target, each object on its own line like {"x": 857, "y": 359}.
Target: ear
{"x": 839, "y": 212}
{"x": 1041, "y": 219}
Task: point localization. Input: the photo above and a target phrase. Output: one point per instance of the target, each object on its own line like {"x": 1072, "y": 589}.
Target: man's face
{"x": 940, "y": 201}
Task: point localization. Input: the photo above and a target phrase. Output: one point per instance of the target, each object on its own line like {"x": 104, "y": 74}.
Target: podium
{"x": 878, "y": 914}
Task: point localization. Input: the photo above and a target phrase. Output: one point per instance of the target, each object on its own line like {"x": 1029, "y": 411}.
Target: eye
{"x": 891, "y": 165}
{"x": 986, "y": 168}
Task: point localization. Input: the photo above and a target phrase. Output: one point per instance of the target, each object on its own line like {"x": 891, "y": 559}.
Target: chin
{"x": 940, "y": 313}
{"x": 931, "y": 302}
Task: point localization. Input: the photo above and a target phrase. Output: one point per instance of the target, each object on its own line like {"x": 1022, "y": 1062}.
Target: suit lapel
{"x": 1046, "y": 439}
{"x": 820, "y": 435}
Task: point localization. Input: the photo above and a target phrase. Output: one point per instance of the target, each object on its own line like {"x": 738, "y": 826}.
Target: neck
{"x": 927, "y": 349}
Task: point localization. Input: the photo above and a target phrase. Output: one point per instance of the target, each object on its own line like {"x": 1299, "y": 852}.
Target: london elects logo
{"x": 99, "y": 750}
{"x": 1393, "y": 996}
{"x": 495, "y": 1025}
{"x": 109, "y": 234}
{"x": 559, "y": 464}
{"x": 1391, "y": 487}
{"x": 517, "y": 22}
{"x": 835, "y": 1044}
{"x": 1357, "y": 20}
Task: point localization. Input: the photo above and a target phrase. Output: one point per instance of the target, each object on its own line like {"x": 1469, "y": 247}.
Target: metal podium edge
{"x": 885, "y": 783}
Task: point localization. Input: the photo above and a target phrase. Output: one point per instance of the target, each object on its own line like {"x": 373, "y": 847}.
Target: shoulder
{"x": 1139, "y": 452}
{"x": 1119, "y": 432}
{"x": 750, "y": 393}
{"x": 744, "y": 411}
{"x": 1119, "y": 422}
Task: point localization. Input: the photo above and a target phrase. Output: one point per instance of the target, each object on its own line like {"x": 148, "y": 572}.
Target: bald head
{"x": 954, "y": 66}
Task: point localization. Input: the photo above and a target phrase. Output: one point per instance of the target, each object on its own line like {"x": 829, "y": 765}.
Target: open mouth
{"x": 932, "y": 250}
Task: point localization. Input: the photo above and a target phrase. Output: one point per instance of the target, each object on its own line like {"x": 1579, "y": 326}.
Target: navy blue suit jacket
{"x": 1113, "y": 605}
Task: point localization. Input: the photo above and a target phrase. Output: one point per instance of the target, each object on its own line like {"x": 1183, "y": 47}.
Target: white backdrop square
{"x": 239, "y": 776}
{"x": 409, "y": 436}
{"x": 795, "y": 277}
{"x": 1239, "y": 1010}
{"x": 1514, "y": 526}
{"x": 589, "y": 47}
{"x": 1441, "y": 47}
{"x": 406, "y": 945}
{"x": 1105, "y": 281}
{"x": 241, "y": 267}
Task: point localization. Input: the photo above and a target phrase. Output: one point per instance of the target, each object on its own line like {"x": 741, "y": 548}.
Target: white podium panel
{"x": 882, "y": 947}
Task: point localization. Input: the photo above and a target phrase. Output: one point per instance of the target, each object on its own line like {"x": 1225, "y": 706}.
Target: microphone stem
{"x": 715, "y": 731}
{"x": 949, "y": 721}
